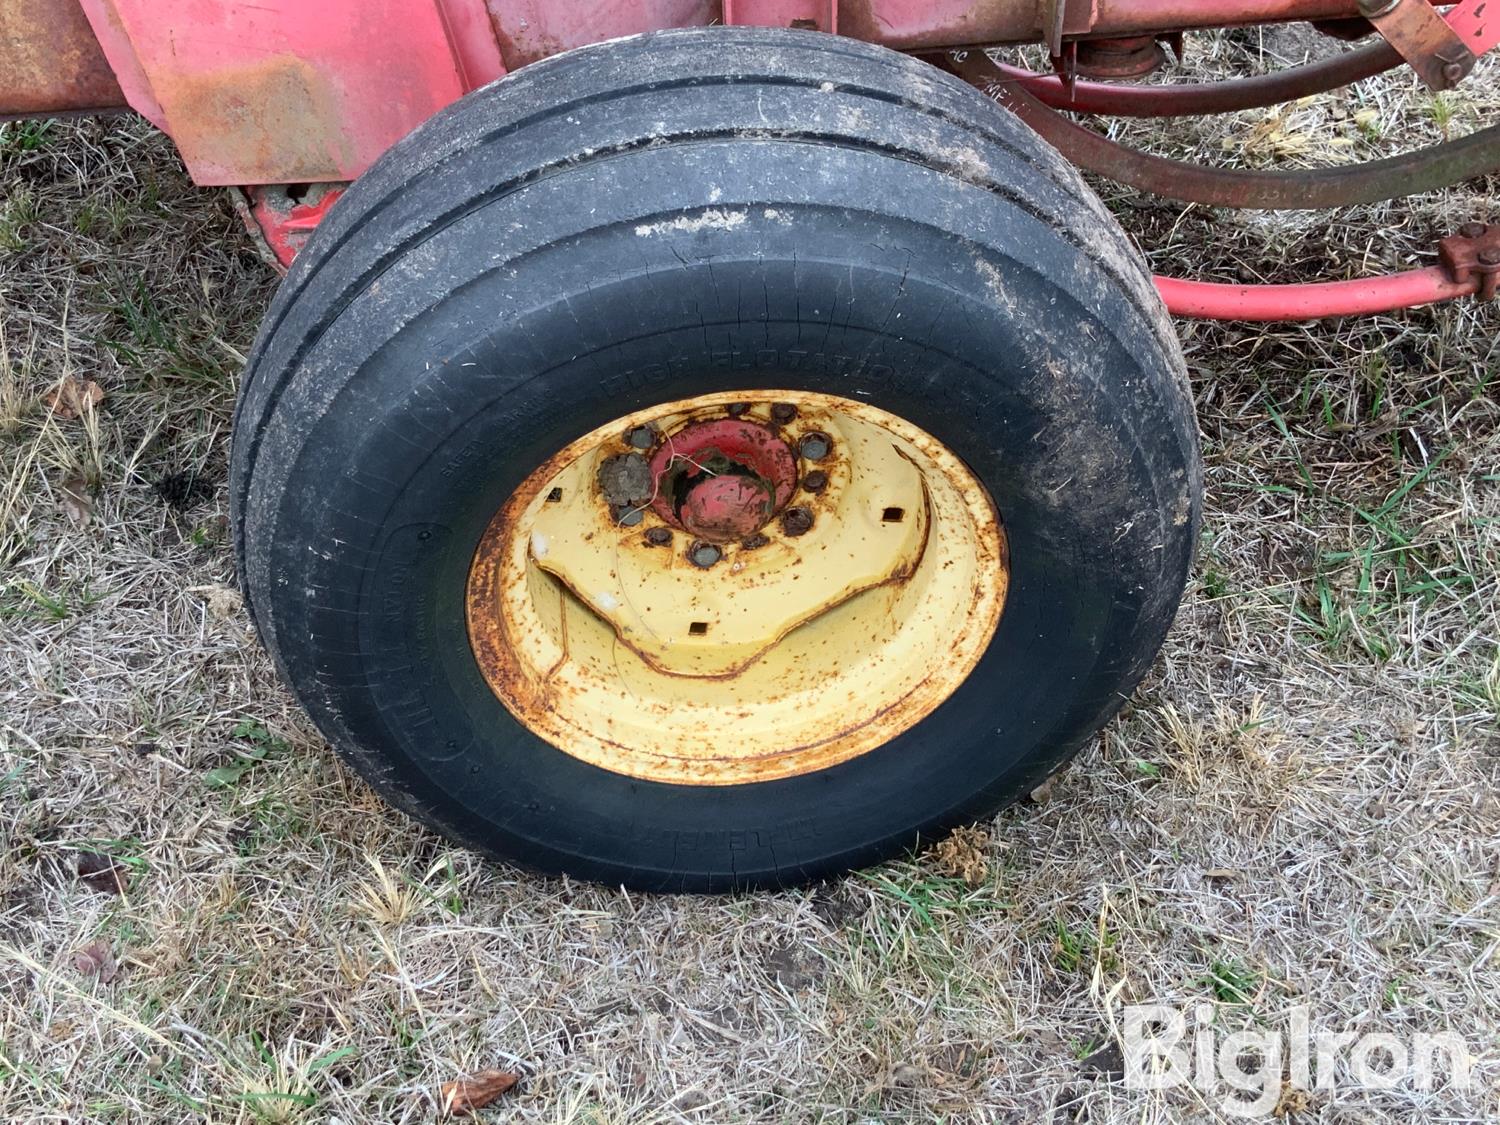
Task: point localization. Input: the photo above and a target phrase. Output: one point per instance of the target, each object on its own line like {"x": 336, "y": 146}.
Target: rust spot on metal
{"x": 625, "y": 481}
{"x": 276, "y": 121}
{"x": 1133, "y": 57}
{"x": 722, "y": 478}
{"x": 1474, "y": 253}
{"x": 51, "y": 62}
{"x": 796, "y": 521}
{"x": 1425, "y": 170}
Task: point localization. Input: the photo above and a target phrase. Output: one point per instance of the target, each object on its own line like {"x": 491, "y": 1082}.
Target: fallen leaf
{"x": 75, "y": 500}
{"x": 96, "y": 960}
{"x": 102, "y": 873}
{"x": 962, "y": 855}
{"x": 72, "y": 397}
{"x": 1046, "y": 790}
{"x": 467, "y": 1095}
{"x": 1293, "y": 1102}
{"x": 223, "y": 602}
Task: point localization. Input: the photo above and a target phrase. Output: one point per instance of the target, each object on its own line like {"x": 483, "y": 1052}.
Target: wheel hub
{"x": 722, "y": 479}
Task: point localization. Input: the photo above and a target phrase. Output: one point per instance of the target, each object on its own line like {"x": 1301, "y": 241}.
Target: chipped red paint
{"x": 281, "y": 223}
{"x": 722, "y": 480}
{"x": 286, "y": 92}
{"x": 282, "y": 91}
{"x": 50, "y": 61}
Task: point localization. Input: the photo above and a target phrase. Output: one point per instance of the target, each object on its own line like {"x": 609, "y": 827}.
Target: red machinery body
{"x": 281, "y": 91}
{"x": 285, "y": 92}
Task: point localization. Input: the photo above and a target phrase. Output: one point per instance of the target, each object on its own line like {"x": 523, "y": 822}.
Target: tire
{"x": 665, "y": 216}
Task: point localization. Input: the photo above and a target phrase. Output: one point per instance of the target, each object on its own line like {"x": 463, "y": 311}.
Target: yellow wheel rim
{"x": 620, "y": 615}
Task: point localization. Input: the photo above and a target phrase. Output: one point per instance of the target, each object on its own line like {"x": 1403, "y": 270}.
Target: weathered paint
{"x": 279, "y": 91}
{"x": 529, "y": 30}
{"x": 785, "y": 656}
{"x": 810, "y": 15}
{"x": 51, "y": 61}
{"x": 720, "y": 508}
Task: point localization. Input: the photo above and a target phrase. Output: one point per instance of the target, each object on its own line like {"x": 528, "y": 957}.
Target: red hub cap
{"x": 722, "y": 480}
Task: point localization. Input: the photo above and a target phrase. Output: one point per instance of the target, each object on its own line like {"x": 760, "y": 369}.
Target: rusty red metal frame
{"x": 282, "y": 92}
{"x": 1468, "y": 269}
{"x": 1428, "y": 42}
{"x": 61, "y": 71}
{"x": 1429, "y": 169}
{"x": 1185, "y": 99}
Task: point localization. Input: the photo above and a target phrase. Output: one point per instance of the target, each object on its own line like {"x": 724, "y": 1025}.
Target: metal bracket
{"x": 811, "y": 15}
{"x": 1065, "y": 17}
{"x": 1474, "y": 252}
{"x": 1424, "y": 38}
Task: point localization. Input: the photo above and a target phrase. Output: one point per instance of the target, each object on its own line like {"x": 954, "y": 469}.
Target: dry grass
{"x": 1299, "y": 807}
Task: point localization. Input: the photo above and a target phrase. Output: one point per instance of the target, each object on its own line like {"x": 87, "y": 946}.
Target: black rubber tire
{"x": 668, "y": 215}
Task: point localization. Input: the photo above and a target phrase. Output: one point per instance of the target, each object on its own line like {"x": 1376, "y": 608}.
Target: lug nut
{"x": 658, "y": 536}
{"x": 641, "y": 437}
{"x": 1473, "y": 230}
{"x": 754, "y": 542}
{"x": 704, "y": 555}
{"x": 627, "y": 516}
{"x": 815, "y": 446}
{"x": 815, "y": 481}
{"x": 796, "y": 521}
{"x": 738, "y": 409}
{"x": 782, "y": 413}
{"x": 1490, "y": 256}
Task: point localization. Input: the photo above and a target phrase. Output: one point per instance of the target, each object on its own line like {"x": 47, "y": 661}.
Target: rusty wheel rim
{"x": 737, "y": 587}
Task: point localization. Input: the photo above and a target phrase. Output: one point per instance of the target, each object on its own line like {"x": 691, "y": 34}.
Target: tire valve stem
{"x": 782, "y": 413}
{"x": 658, "y": 536}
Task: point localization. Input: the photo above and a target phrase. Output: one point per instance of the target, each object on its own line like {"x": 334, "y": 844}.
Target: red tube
{"x": 1119, "y": 100}
{"x": 1204, "y": 300}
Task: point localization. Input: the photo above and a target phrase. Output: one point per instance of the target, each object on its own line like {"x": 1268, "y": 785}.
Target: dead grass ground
{"x": 1299, "y": 807}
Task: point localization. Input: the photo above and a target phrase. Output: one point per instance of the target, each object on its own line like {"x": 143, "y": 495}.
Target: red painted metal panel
{"x": 814, "y": 15}
{"x": 473, "y": 41}
{"x": 287, "y": 91}
{"x": 529, "y": 30}
{"x": 283, "y": 91}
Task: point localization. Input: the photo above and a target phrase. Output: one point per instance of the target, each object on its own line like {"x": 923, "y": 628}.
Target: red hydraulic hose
{"x": 1118, "y": 100}
{"x": 1205, "y": 300}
